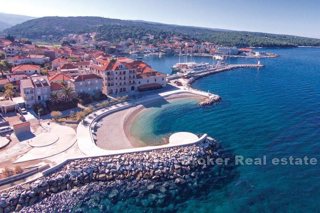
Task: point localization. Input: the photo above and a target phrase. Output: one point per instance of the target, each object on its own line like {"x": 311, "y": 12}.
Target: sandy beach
{"x": 115, "y": 130}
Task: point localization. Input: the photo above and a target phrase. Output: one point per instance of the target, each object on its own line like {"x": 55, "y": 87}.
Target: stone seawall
{"x": 148, "y": 179}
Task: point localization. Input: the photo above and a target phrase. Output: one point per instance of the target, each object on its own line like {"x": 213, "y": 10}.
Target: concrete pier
{"x": 219, "y": 69}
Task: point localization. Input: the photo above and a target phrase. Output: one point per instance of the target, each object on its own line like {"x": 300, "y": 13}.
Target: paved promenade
{"x": 84, "y": 132}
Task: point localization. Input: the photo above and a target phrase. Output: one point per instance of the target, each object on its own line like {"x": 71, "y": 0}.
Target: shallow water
{"x": 274, "y": 111}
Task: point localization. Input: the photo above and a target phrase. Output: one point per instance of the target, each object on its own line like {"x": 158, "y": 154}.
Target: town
{"x": 52, "y": 96}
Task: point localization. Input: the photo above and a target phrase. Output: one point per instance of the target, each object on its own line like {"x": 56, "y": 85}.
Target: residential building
{"x": 117, "y": 78}
{"x": 227, "y": 50}
{"x": 30, "y": 59}
{"x": 86, "y": 83}
{"x": 57, "y": 81}
{"x": 27, "y": 69}
{"x": 35, "y": 89}
{"x": 12, "y": 50}
{"x": 69, "y": 69}
{"x": 147, "y": 78}
{"x": 16, "y": 77}
{"x": 124, "y": 75}
{"x": 58, "y": 62}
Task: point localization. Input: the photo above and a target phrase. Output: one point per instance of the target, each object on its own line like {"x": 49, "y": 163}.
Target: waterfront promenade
{"x": 85, "y": 130}
{"x": 219, "y": 69}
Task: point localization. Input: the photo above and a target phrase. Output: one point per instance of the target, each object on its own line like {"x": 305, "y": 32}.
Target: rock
{"x": 3, "y": 203}
{"x": 179, "y": 181}
{"x": 18, "y": 207}
{"x": 102, "y": 177}
{"x": 54, "y": 189}
{"x": 150, "y": 187}
{"x": 113, "y": 193}
{"x": 162, "y": 189}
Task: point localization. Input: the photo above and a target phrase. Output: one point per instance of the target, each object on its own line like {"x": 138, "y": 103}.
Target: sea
{"x": 272, "y": 113}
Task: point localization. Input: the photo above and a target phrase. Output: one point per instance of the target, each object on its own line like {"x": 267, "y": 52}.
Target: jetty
{"x": 210, "y": 100}
{"x": 218, "y": 69}
{"x": 184, "y": 80}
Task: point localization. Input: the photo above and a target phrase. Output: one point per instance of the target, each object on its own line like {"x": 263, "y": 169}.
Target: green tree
{"x": 56, "y": 114}
{"x": 67, "y": 93}
{"x": 2, "y": 55}
{"x": 8, "y": 90}
{"x": 5, "y": 67}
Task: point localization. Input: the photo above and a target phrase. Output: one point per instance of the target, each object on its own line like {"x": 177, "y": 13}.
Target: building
{"x": 124, "y": 75}
{"x": 83, "y": 66}
{"x": 3, "y": 82}
{"x": 57, "y": 81}
{"x": 28, "y": 69}
{"x": 227, "y": 50}
{"x": 15, "y": 79}
{"x": 58, "y": 62}
{"x": 86, "y": 83}
{"x": 148, "y": 79}
{"x": 117, "y": 78}
{"x": 12, "y": 50}
{"x": 30, "y": 59}
{"x": 35, "y": 89}
{"x": 69, "y": 69}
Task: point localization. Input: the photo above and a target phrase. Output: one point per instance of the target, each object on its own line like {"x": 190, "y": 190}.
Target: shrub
{"x": 39, "y": 108}
{"x": 18, "y": 170}
{"x": 62, "y": 105}
{"x": 80, "y": 115}
{"x": 88, "y": 110}
{"x": 7, "y": 172}
{"x": 56, "y": 114}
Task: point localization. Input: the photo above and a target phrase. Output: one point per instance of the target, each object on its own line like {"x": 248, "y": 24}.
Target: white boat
{"x": 191, "y": 67}
{"x": 217, "y": 57}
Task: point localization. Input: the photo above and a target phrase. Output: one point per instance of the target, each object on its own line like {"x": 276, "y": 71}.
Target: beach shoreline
{"x": 117, "y": 126}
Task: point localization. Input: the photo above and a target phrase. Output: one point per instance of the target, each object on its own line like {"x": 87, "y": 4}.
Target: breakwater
{"x": 149, "y": 179}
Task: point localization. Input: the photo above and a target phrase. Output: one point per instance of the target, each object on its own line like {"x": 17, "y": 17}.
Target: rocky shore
{"x": 145, "y": 179}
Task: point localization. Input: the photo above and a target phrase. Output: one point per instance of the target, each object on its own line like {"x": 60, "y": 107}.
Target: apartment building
{"x": 35, "y": 89}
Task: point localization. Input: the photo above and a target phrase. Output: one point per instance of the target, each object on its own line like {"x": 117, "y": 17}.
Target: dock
{"x": 185, "y": 80}
{"x": 195, "y": 75}
{"x": 225, "y": 68}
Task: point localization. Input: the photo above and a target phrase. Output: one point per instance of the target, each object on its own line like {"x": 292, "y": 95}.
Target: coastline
{"x": 119, "y": 129}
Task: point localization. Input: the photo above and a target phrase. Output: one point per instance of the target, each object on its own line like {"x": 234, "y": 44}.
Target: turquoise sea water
{"x": 274, "y": 111}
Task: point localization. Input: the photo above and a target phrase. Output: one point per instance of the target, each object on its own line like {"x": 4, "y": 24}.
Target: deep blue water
{"x": 274, "y": 111}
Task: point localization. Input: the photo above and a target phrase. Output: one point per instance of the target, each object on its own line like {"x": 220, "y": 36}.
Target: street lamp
{"x": 39, "y": 115}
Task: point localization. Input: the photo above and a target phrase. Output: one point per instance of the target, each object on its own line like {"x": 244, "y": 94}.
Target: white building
{"x": 86, "y": 83}
{"x": 124, "y": 76}
{"x": 35, "y": 89}
{"x": 28, "y": 69}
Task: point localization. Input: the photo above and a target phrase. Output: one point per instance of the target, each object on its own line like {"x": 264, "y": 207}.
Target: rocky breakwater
{"x": 143, "y": 179}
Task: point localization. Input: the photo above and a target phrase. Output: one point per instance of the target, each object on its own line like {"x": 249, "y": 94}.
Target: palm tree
{"x": 54, "y": 97}
{"x": 9, "y": 90}
{"x": 67, "y": 92}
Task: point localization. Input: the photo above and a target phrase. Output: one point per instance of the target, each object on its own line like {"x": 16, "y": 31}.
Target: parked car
{"x": 5, "y": 129}
{"x": 22, "y": 111}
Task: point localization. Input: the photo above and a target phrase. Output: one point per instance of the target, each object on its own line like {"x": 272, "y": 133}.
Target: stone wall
{"x": 116, "y": 178}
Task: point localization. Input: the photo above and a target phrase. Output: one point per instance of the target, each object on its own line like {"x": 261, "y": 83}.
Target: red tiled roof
{"x": 82, "y": 63}
{"x": 59, "y": 77}
{"x": 4, "y": 81}
{"x": 60, "y": 60}
{"x": 68, "y": 66}
{"x": 86, "y": 77}
{"x": 55, "y": 86}
{"x": 25, "y": 67}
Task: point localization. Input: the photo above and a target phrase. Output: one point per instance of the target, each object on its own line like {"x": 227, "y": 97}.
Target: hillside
{"x": 9, "y": 20}
{"x": 54, "y": 28}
